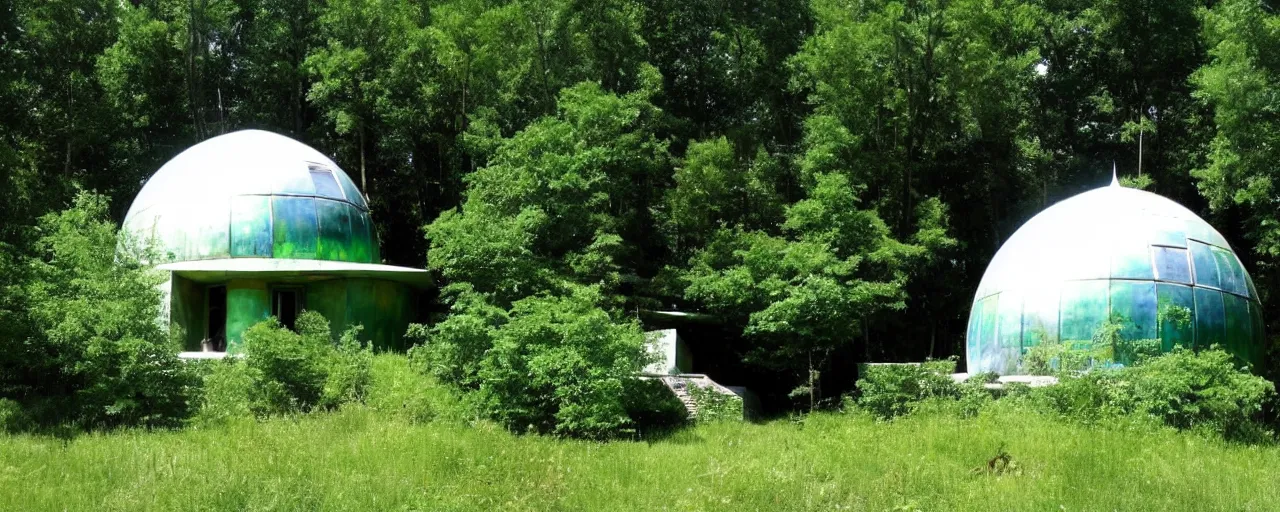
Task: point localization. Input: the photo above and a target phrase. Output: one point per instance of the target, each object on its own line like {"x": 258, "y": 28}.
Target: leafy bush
{"x": 1201, "y": 391}
{"x": 349, "y": 370}
{"x": 290, "y": 367}
{"x": 553, "y": 364}
{"x": 891, "y": 390}
{"x": 94, "y": 355}
{"x": 716, "y": 406}
{"x": 230, "y": 391}
{"x": 285, "y": 372}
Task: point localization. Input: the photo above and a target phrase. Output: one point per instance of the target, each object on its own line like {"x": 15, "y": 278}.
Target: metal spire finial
{"x": 1115, "y": 181}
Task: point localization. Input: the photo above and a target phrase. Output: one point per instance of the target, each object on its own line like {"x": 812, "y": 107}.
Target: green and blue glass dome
{"x": 253, "y": 194}
{"x": 1118, "y": 254}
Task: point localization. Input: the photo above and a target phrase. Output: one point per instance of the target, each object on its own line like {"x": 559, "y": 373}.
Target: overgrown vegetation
{"x": 362, "y": 459}
{"x": 560, "y": 365}
{"x": 86, "y": 350}
{"x": 286, "y": 372}
{"x": 1203, "y": 391}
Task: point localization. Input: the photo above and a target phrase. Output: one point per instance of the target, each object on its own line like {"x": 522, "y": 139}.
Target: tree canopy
{"x": 828, "y": 179}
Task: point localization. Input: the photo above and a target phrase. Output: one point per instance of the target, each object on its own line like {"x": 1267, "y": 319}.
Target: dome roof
{"x": 253, "y": 194}
{"x": 1112, "y": 253}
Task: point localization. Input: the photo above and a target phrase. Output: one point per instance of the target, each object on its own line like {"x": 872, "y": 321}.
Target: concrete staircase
{"x": 681, "y": 389}
{"x": 681, "y": 383}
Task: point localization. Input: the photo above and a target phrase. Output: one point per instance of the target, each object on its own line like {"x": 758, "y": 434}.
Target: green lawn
{"x": 359, "y": 459}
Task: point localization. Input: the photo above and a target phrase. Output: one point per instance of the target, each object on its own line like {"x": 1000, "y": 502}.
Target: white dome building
{"x": 1112, "y": 253}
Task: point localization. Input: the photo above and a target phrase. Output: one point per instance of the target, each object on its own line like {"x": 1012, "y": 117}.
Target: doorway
{"x": 216, "y": 325}
{"x": 286, "y": 304}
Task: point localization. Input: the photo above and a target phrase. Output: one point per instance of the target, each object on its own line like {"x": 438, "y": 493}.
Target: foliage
{"x": 714, "y": 405}
{"x": 397, "y": 389}
{"x": 552, "y": 364}
{"x": 96, "y": 356}
{"x": 891, "y": 390}
{"x": 284, "y": 372}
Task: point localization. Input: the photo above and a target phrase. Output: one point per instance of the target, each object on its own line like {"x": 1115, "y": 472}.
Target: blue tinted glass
{"x": 1171, "y": 264}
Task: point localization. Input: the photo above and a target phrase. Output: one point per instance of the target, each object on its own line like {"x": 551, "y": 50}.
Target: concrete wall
{"x": 673, "y": 355}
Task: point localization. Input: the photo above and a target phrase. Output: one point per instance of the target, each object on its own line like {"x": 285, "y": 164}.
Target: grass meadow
{"x": 363, "y": 458}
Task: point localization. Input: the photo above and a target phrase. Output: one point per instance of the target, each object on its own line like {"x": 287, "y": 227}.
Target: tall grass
{"x": 363, "y": 458}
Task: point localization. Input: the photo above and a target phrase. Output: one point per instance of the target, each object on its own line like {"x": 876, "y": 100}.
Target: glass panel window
{"x": 1211, "y": 322}
{"x": 1171, "y": 264}
{"x": 1206, "y": 267}
{"x": 1040, "y": 316}
{"x": 1084, "y": 308}
{"x": 1131, "y": 260}
{"x": 1010, "y": 313}
{"x": 1176, "y": 314}
{"x": 295, "y": 227}
{"x": 1133, "y": 304}
{"x": 1230, "y": 272}
{"x": 326, "y": 184}
{"x": 1239, "y": 326}
{"x": 251, "y": 227}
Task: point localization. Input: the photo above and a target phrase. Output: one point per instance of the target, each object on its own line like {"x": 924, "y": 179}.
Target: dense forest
{"x": 826, "y": 178}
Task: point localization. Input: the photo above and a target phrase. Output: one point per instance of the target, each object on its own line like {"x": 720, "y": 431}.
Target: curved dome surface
{"x": 253, "y": 194}
{"x": 1112, "y": 253}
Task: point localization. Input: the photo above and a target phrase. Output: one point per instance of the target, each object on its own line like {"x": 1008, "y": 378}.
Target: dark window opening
{"x": 286, "y": 306}
{"x": 217, "y": 319}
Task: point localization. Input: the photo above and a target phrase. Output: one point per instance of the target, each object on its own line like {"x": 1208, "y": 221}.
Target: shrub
{"x": 94, "y": 355}
{"x": 230, "y": 391}
{"x": 891, "y": 390}
{"x": 290, "y": 367}
{"x": 553, "y": 364}
{"x": 716, "y": 406}
{"x": 285, "y": 372}
{"x": 1202, "y": 391}
{"x": 349, "y": 370}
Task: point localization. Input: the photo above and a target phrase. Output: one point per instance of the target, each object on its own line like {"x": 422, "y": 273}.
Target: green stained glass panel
{"x": 1210, "y": 321}
{"x": 1239, "y": 326}
{"x": 1205, "y": 265}
{"x": 335, "y": 230}
{"x": 363, "y": 244}
{"x": 1177, "y": 306}
{"x": 1133, "y": 303}
{"x": 251, "y": 226}
{"x": 1230, "y": 273}
{"x": 1084, "y": 308}
{"x": 295, "y": 227}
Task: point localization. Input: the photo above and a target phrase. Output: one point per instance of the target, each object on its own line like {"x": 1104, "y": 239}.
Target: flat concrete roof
{"x": 297, "y": 270}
